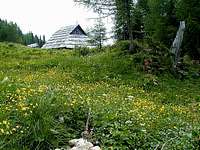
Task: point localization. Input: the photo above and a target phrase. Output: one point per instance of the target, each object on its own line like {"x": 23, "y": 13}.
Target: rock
{"x": 74, "y": 142}
{"x": 74, "y": 148}
{"x": 85, "y": 145}
{"x": 95, "y": 148}
{"x": 80, "y": 144}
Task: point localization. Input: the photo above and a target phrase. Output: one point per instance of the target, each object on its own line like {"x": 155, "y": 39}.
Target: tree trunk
{"x": 177, "y": 45}
{"x": 129, "y": 25}
{"x": 100, "y": 44}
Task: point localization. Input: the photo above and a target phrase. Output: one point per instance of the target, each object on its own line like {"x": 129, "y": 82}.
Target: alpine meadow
{"x": 76, "y": 92}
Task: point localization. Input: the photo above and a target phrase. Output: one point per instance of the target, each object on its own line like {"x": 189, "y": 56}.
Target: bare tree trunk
{"x": 130, "y": 30}
{"x": 100, "y": 44}
{"x": 175, "y": 49}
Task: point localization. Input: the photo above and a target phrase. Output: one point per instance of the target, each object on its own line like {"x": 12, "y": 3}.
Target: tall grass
{"x": 45, "y": 96}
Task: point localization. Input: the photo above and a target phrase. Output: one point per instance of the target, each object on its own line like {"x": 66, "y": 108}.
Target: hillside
{"x": 45, "y": 96}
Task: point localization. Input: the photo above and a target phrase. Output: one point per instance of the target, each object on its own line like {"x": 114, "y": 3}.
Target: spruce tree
{"x": 161, "y": 23}
{"x": 189, "y": 11}
{"x": 98, "y": 34}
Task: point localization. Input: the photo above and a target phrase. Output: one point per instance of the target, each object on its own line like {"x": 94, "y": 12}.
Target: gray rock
{"x": 95, "y": 148}
{"x": 74, "y": 142}
{"x": 80, "y": 144}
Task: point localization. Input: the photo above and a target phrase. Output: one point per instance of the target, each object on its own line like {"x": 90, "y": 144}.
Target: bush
{"x": 153, "y": 58}
{"x": 124, "y": 46}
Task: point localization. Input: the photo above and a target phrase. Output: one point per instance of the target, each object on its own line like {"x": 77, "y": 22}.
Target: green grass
{"x": 130, "y": 109}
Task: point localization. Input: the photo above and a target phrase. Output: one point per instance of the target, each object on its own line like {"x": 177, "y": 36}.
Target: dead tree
{"x": 175, "y": 49}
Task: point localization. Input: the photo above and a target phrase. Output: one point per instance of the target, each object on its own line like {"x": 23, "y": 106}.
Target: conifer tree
{"x": 189, "y": 11}
{"x": 98, "y": 33}
{"x": 43, "y": 39}
{"x": 161, "y": 23}
{"x": 122, "y": 9}
{"x": 10, "y": 32}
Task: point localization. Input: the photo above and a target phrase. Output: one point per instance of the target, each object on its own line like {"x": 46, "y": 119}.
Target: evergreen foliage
{"x": 11, "y": 32}
{"x": 158, "y": 19}
{"x": 160, "y": 22}
{"x": 189, "y": 11}
{"x": 98, "y": 34}
{"x": 134, "y": 100}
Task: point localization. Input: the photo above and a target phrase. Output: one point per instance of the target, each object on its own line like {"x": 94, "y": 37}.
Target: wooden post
{"x": 175, "y": 49}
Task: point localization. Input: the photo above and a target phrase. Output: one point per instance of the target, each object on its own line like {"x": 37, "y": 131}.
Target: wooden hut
{"x": 68, "y": 37}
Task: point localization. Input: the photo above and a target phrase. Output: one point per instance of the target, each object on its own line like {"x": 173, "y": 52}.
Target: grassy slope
{"x": 129, "y": 109}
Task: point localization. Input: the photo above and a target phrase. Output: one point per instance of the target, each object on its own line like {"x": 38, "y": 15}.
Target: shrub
{"x": 124, "y": 46}
{"x": 153, "y": 58}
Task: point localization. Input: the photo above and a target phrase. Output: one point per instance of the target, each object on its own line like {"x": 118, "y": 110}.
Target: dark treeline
{"x": 30, "y": 38}
{"x": 155, "y": 19}
{"x": 10, "y": 32}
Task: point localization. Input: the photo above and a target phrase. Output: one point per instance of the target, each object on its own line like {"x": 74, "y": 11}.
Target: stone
{"x": 74, "y": 142}
{"x": 84, "y": 144}
{"x": 95, "y": 148}
{"x": 80, "y": 144}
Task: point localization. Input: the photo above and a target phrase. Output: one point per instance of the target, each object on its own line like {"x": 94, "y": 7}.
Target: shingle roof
{"x": 65, "y": 38}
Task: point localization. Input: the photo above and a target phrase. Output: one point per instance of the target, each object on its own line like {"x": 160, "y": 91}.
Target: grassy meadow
{"x": 45, "y": 96}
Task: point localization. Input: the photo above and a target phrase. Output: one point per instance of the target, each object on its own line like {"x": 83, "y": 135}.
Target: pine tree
{"x": 98, "y": 34}
{"x": 123, "y": 12}
{"x": 161, "y": 23}
{"x": 189, "y": 11}
{"x": 43, "y": 40}
{"x": 10, "y": 32}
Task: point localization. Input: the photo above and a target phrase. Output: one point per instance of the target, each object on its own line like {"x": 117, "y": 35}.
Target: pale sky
{"x": 44, "y": 17}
